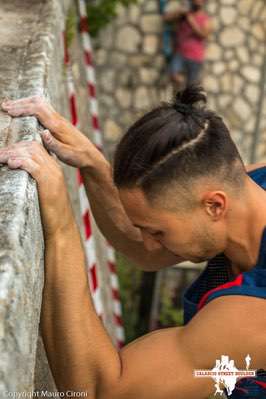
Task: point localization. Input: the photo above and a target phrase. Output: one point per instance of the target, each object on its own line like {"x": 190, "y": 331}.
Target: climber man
{"x": 178, "y": 191}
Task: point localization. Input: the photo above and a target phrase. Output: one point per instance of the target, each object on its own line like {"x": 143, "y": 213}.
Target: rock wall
{"x": 31, "y": 62}
{"x": 28, "y": 31}
{"x": 132, "y": 71}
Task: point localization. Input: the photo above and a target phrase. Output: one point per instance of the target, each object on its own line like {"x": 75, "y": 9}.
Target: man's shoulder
{"x": 229, "y": 323}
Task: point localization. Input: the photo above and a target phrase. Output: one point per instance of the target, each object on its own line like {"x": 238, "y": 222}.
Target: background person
{"x": 193, "y": 26}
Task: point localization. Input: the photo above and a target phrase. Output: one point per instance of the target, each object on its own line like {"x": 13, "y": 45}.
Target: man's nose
{"x": 150, "y": 243}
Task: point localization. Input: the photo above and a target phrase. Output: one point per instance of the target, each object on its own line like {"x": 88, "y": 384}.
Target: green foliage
{"x": 101, "y": 12}
{"x": 71, "y": 25}
{"x": 130, "y": 281}
{"x": 169, "y": 315}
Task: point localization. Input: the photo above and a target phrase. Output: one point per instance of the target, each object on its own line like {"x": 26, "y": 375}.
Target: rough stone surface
{"x": 32, "y": 62}
{"x": 128, "y": 39}
{"x": 27, "y": 44}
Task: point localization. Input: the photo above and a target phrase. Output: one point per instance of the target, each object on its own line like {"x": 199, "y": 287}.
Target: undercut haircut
{"x": 177, "y": 143}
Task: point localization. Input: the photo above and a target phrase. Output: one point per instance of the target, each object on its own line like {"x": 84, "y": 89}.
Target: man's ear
{"x": 215, "y": 204}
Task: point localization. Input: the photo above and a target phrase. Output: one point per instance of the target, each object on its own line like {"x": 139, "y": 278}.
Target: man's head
{"x": 177, "y": 171}
{"x": 197, "y": 4}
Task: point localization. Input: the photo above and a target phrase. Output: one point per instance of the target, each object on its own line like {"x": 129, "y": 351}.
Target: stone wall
{"x": 27, "y": 38}
{"x": 235, "y": 67}
{"x": 133, "y": 78}
{"x": 31, "y": 62}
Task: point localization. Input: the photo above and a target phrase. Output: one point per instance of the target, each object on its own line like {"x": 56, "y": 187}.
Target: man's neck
{"x": 246, "y": 230}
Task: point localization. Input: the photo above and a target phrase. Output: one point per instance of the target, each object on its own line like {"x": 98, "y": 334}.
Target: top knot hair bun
{"x": 189, "y": 100}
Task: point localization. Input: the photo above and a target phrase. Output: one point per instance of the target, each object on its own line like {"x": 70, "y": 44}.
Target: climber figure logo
{"x": 225, "y": 374}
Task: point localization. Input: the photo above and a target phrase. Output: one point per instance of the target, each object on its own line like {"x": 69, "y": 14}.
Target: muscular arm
{"x": 107, "y": 208}
{"x": 112, "y": 219}
{"x": 80, "y": 352}
{"x": 158, "y": 365}
{"x": 73, "y": 148}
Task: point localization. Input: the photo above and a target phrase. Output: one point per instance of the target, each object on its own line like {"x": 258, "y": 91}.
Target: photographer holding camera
{"x": 193, "y": 26}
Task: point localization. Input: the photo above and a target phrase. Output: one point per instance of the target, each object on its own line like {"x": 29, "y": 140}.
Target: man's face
{"x": 198, "y": 3}
{"x": 190, "y": 234}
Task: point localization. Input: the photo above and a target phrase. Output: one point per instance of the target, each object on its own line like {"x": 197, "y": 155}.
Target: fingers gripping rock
{"x": 62, "y": 151}
{"x": 27, "y": 164}
{"x": 52, "y": 144}
{"x": 48, "y": 140}
{"x": 14, "y": 163}
{"x": 23, "y": 106}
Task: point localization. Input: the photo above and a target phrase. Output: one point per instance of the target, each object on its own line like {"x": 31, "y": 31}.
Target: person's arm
{"x": 158, "y": 365}
{"x": 81, "y": 355}
{"x": 172, "y": 16}
{"x": 75, "y": 149}
{"x": 201, "y": 31}
{"x": 113, "y": 221}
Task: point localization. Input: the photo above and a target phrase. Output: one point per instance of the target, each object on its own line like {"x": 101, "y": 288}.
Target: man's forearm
{"x": 172, "y": 15}
{"x": 114, "y": 223}
{"x": 78, "y": 348}
{"x": 201, "y": 32}
{"x": 106, "y": 206}
{"x": 74, "y": 148}
{"x": 104, "y": 200}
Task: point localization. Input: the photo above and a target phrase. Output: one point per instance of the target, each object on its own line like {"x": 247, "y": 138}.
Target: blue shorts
{"x": 191, "y": 69}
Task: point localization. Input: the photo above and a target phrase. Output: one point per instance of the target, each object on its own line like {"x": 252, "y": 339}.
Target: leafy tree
{"x": 101, "y": 12}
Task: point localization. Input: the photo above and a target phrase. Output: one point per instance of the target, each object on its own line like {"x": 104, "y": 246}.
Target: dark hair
{"x": 177, "y": 141}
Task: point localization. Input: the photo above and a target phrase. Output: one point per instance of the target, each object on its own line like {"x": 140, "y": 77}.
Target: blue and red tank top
{"x": 216, "y": 281}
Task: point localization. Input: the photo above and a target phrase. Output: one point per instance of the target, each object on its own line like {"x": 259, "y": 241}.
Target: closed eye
{"x": 157, "y": 234}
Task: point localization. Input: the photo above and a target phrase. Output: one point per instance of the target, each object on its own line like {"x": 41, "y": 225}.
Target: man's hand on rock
{"x": 32, "y": 157}
{"x": 67, "y": 142}
{"x": 32, "y": 106}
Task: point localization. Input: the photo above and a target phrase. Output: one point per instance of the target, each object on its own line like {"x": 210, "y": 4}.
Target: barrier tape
{"x": 90, "y": 245}
{"x": 98, "y": 141}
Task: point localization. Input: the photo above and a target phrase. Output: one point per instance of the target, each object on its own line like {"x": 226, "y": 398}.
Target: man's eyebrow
{"x": 139, "y": 226}
{"x": 144, "y": 227}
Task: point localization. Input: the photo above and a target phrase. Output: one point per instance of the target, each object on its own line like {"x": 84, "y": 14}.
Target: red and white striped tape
{"x": 117, "y": 309}
{"x": 98, "y": 141}
{"x": 90, "y": 245}
{"x": 85, "y": 208}
{"x": 90, "y": 75}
